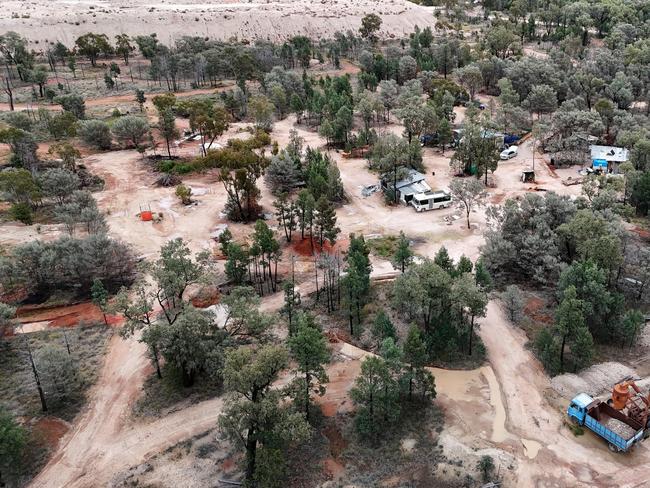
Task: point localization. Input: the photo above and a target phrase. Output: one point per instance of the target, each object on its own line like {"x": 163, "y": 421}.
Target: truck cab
{"x": 578, "y": 408}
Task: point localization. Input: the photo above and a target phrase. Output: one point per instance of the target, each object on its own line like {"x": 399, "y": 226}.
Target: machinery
{"x": 628, "y": 399}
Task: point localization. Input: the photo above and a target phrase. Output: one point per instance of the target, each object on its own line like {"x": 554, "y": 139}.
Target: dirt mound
{"x": 304, "y": 248}
{"x": 595, "y": 380}
{"x": 206, "y": 296}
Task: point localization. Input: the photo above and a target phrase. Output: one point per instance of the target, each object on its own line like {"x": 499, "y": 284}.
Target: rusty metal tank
{"x": 620, "y": 396}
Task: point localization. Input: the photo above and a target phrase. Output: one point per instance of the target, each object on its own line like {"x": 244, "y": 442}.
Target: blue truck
{"x": 620, "y": 431}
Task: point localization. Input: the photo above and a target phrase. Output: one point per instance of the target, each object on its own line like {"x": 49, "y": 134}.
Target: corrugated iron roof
{"x": 609, "y": 153}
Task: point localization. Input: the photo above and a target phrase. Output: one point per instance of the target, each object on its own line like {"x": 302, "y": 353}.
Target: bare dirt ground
{"x": 113, "y": 100}
{"x": 507, "y": 409}
{"x": 46, "y": 21}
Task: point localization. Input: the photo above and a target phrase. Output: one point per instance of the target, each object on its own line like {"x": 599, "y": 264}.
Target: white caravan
{"x": 431, "y": 200}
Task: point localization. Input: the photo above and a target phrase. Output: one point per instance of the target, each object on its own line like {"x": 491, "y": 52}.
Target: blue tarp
{"x": 599, "y": 163}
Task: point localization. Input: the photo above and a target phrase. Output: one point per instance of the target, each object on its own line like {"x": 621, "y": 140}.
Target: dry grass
{"x": 163, "y": 396}
{"x": 17, "y": 387}
{"x": 388, "y": 464}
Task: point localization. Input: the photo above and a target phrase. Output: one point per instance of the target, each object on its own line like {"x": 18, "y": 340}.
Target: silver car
{"x": 509, "y": 153}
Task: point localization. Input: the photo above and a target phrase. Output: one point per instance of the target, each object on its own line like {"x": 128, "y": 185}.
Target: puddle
{"x": 462, "y": 385}
{"x": 499, "y": 432}
{"x": 531, "y": 448}
{"x": 457, "y": 384}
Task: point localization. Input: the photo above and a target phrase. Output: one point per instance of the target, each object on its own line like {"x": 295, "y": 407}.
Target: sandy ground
{"x": 64, "y": 20}
{"x": 507, "y": 409}
{"x": 114, "y": 100}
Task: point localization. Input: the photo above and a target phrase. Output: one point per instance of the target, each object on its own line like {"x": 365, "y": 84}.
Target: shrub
{"x": 72, "y": 103}
{"x": 21, "y": 212}
{"x": 95, "y": 133}
{"x": 20, "y": 120}
{"x": 166, "y": 166}
{"x": 184, "y": 193}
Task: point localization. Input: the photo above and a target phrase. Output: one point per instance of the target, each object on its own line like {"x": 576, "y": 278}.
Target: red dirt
{"x": 551, "y": 169}
{"x": 14, "y": 296}
{"x": 228, "y": 464}
{"x": 50, "y": 430}
{"x": 303, "y": 247}
{"x": 643, "y": 233}
{"x": 497, "y": 198}
{"x": 336, "y": 440}
{"x": 533, "y": 309}
{"x": 338, "y": 444}
{"x": 64, "y": 316}
{"x": 329, "y": 408}
{"x": 333, "y": 468}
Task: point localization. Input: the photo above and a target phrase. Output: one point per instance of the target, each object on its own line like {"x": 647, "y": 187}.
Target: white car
{"x": 510, "y": 152}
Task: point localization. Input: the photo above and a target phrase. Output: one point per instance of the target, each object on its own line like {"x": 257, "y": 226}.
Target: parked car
{"x": 509, "y": 153}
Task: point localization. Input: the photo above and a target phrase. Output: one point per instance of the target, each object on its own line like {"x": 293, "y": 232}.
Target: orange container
{"x": 146, "y": 215}
{"x": 620, "y": 396}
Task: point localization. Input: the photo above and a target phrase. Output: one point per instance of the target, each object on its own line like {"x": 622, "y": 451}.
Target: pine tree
{"x": 464, "y": 265}
{"x": 100, "y": 297}
{"x": 309, "y": 350}
{"x": 325, "y": 222}
{"x": 305, "y": 205}
{"x": 403, "y": 256}
{"x": 357, "y": 279}
{"x": 383, "y": 327}
{"x": 291, "y": 303}
{"x": 415, "y": 355}
{"x": 443, "y": 260}
{"x": 236, "y": 265}
{"x": 285, "y": 212}
{"x": 569, "y": 319}
{"x": 482, "y": 276}
{"x": 376, "y": 395}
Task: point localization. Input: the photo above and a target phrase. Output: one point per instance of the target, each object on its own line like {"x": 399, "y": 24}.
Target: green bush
{"x": 183, "y": 169}
{"x": 459, "y": 93}
{"x": 166, "y": 166}
{"x": 21, "y": 212}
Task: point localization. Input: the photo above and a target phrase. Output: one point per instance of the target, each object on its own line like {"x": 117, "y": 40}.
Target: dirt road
{"x": 104, "y": 441}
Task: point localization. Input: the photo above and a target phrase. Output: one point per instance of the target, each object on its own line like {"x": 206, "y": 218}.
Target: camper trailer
{"x": 431, "y": 200}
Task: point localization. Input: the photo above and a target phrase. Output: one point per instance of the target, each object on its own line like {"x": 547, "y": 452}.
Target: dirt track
{"x": 103, "y": 441}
